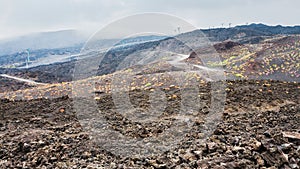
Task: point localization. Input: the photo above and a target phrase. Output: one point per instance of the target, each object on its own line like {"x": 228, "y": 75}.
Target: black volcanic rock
{"x": 258, "y": 130}
{"x": 225, "y": 45}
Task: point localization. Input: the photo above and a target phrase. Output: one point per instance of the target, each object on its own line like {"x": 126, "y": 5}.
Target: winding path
{"x": 31, "y": 82}
{"x": 178, "y": 58}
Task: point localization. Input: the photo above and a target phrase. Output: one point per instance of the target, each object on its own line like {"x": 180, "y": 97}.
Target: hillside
{"x": 253, "y": 51}
{"x": 274, "y": 58}
{"x": 154, "y": 102}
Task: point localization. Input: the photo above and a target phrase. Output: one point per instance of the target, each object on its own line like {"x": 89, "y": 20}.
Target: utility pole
{"x": 28, "y": 59}
{"x": 222, "y": 25}
{"x": 178, "y": 28}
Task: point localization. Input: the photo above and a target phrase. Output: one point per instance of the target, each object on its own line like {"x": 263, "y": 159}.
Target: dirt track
{"x": 260, "y": 128}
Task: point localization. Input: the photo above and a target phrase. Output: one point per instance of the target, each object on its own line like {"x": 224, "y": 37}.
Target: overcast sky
{"x": 25, "y": 16}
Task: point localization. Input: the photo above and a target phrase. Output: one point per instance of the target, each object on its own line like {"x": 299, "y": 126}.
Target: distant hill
{"x": 272, "y": 30}
{"x": 244, "y": 49}
{"x": 43, "y": 40}
{"x": 245, "y": 33}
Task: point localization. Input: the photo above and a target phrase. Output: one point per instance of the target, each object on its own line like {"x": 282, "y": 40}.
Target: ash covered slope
{"x": 275, "y": 57}
{"x": 252, "y": 40}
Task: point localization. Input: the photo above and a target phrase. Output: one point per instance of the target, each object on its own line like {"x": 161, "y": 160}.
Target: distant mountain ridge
{"x": 143, "y": 45}
{"x": 68, "y": 38}
{"x": 244, "y": 32}
{"x": 42, "y": 40}
{"x": 244, "y": 35}
{"x": 272, "y": 30}
{"x": 227, "y": 41}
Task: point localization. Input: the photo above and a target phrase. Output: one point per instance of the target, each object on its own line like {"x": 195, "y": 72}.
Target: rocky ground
{"x": 260, "y": 128}
{"x": 11, "y": 85}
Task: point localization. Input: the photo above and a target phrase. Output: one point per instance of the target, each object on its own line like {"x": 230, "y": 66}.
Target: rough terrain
{"x": 260, "y": 128}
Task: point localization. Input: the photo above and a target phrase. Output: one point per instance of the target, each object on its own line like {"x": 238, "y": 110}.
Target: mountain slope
{"x": 44, "y": 40}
